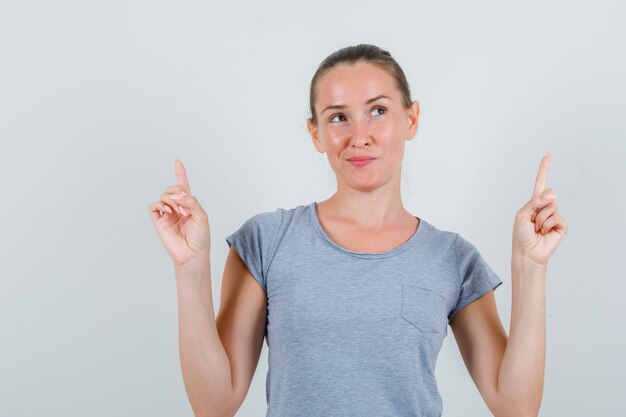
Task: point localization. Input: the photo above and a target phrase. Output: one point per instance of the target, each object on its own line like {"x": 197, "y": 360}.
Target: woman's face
{"x": 353, "y": 119}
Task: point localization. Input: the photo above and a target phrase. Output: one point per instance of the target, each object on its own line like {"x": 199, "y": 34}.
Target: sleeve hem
{"x": 479, "y": 294}
{"x": 456, "y": 257}
{"x": 234, "y": 242}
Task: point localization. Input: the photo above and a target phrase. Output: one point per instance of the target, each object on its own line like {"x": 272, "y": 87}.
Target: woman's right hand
{"x": 181, "y": 223}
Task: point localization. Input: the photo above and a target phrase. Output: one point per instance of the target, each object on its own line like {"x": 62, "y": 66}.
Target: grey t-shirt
{"x": 356, "y": 333}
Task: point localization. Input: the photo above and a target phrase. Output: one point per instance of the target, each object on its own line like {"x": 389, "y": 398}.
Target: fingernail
{"x": 168, "y": 209}
{"x": 548, "y": 197}
{"x": 176, "y": 196}
{"x": 183, "y": 211}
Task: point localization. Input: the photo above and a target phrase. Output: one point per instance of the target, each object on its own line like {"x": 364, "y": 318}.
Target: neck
{"x": 377, "y": 209}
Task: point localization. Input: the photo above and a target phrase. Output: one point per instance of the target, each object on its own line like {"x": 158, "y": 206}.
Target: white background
{"x": 97, "y": 98}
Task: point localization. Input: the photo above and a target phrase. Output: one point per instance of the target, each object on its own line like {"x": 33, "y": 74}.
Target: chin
{"x": 364, "y": 185}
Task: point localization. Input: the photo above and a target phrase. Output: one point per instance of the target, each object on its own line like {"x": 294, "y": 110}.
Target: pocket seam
{"x": 415, "y": 321}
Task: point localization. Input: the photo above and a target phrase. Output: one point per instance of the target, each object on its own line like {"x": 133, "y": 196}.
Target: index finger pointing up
{"x": 542, "y": 175}
{"x": 181, "y": 174}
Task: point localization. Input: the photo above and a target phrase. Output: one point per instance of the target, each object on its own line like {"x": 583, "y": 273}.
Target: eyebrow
{"x": 341, "y": 106}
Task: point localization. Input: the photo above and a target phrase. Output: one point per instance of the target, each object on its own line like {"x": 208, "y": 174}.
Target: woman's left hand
{"x": 538, "y": 227}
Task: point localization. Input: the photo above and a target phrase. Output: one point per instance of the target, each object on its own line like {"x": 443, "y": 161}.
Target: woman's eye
{"x": 379, "y": 108}
{"x": 335, "y": 116}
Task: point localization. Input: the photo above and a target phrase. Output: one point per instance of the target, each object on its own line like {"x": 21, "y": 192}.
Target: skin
{"x": 220, "y": 355}
{"x": 366, "y": 212}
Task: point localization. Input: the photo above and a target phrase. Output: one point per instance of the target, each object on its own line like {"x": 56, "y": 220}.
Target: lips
{"x": 361, "y": 161}
{"x": 361, "y": 158}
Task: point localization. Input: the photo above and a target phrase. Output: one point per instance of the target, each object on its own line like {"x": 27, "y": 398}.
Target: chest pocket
{"x": 424, "y": 308}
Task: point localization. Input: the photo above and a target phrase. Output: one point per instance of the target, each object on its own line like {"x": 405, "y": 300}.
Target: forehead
{"x": 354, "y": 83}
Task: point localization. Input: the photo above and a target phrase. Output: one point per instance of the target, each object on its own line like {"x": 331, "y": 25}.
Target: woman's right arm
{"x": 218, "y": 355}
{"x": 204, "y": 361}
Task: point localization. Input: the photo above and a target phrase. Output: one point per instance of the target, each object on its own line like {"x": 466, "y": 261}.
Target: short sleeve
{"x": 475, "y": 276}
{"x": 255, "y": 243}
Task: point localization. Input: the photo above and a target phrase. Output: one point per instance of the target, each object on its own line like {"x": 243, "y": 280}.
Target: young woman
{"x": 354, "y": 293}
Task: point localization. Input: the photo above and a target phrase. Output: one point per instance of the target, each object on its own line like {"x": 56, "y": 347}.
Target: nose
{"x": 360, "y": 133}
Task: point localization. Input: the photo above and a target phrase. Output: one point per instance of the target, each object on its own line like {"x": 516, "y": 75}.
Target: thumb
{"x": 537, "y": 202}
{"x": 192, "y": 207}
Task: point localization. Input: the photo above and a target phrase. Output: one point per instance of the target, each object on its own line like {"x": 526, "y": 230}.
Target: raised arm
{"x": 509, "y": 371}
{"x": 218, "y": 356}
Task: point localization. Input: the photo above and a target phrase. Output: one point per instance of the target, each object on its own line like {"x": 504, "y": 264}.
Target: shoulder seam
{"x": 273, "y": 248}
{"x": 456, "y": 256}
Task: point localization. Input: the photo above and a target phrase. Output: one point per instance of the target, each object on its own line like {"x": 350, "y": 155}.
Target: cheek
{"x": 387, "y": 136}
{"x": 385, "y": 128}
{"x": 394, "y": 146}
{"x": 335, "y": 137}
{"x": 387, "y": 132}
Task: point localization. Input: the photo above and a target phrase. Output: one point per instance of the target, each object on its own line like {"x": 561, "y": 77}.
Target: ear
{"x": 413, "y": 114}
{"x": 314, "y": 135}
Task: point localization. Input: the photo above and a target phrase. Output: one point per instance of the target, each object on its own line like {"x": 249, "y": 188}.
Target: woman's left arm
{"x": 509, "y": 372}
{"x": 537, "y": 232}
